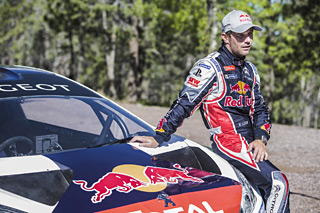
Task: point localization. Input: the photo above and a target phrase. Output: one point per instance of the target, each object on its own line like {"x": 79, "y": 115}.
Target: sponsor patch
{"x": 231, "y": 102}
{"x": 229, "y": 68}
{"x": 231, "y": 76}
{"x": 216, "y": 64}
{"x": 266, "y": 127}
{"x": 240, "y": 87}
{"x": 205, "y": 66}
{"x": 246, "y": 71}
{"x": 160, "y": 125}
{"x": 198, "y": 73}
{"x": 194, "y": 82}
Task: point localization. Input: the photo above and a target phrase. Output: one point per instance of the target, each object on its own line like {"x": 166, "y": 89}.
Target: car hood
{"x": 122, "y": 178}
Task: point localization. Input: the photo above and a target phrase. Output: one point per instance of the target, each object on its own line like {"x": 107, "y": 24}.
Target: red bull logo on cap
{"x": 125, "y": 178}
{"x": 244, "y": 17}
{"x": 240, "y": 87}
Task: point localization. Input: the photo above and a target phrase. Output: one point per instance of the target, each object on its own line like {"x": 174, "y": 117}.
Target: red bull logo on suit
{"x": 240, "y": 87}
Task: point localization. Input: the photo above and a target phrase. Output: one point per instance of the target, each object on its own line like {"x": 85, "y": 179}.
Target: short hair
{"x": 228, "y": 34}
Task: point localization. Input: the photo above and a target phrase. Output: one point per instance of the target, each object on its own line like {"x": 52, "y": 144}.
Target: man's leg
{"x": 270, "y": 180}
{"x": 278, "y": 200}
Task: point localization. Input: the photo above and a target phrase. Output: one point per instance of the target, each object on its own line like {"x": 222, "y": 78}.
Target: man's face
{"x": 238, "y": 44}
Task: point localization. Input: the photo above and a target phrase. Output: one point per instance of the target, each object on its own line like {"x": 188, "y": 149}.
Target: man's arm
{"x": 200, "y": 82}
{"x": 260, "y": 116}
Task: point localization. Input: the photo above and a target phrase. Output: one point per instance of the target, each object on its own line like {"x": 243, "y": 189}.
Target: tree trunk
{"x": 316, "y": 113}
{"x": 110, "y": 54}
{"x": 211, "y": 11}
{"x": 71, "y": 66}
{"x": 134, "y": 61}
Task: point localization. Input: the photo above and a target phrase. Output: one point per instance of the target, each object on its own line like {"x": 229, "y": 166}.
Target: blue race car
{"x": 64, "y": 148}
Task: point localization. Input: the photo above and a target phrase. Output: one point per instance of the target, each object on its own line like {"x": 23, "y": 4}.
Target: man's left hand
{"x": 259, "y": 150}
{"x": 145, "y": 141}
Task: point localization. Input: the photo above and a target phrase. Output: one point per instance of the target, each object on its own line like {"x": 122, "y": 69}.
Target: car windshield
{"x": 43, "y": 124}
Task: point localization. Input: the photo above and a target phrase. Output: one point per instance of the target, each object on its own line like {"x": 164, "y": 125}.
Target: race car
{"x": 64, "y": 148}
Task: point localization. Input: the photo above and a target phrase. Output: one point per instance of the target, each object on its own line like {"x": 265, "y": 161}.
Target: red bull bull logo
{"x": 240, "y": 87}
{"x": 159, "y": 127}
{"x": 266, "y": 127}
{"x": 111, "y": 181}
{"x": 163, "y": 175}
{"x": 148, "y": 179}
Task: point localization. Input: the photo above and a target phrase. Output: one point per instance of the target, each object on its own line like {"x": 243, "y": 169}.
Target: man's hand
{"x": 145, "y": 141}
{"x": 260, "y": 151}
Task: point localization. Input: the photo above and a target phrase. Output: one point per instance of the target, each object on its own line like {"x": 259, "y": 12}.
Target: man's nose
{"x": 248, "y": 39}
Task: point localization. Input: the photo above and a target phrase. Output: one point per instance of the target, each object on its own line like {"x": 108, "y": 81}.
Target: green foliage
{"x": 152, "y": 44}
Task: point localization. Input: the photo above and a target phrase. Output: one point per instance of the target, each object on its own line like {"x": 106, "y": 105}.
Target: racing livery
{"x": 227, "y": 91}
{"x": 63, "y": 148}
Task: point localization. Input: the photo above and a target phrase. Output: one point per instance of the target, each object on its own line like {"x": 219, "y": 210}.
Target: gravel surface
{"x": 292, "y": 149}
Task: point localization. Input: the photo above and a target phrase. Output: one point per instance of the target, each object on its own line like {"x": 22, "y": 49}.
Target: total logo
{"x": 204, "y": 208}
{"x": 125, "y": 178}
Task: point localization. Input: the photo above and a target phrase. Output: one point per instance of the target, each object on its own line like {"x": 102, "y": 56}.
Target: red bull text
{"x": 230, "y": 102}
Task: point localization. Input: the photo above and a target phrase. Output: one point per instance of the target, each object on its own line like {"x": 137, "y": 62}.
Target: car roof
{"x": 16, "y": 81}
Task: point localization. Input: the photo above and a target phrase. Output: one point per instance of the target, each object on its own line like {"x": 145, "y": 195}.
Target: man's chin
{"x": 245, "y": 52}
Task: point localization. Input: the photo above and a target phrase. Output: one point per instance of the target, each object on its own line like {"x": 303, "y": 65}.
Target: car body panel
{"x": 80, "y": 170}
{"x": 86, "y": 165}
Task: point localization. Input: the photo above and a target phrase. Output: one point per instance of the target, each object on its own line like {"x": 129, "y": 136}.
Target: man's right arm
{"x": 201, "y": 81}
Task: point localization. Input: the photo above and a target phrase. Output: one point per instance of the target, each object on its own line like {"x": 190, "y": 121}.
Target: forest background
{"x": 142, "y": 50}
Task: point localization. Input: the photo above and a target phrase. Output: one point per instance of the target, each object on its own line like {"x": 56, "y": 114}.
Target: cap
{"x": 238, "y": 21}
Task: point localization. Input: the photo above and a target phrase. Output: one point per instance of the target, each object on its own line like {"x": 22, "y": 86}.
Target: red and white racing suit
{"x": 227, "y": 91}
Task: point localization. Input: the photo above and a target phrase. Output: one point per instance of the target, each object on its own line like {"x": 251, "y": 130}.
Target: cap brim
{"x": 245, "y": 27}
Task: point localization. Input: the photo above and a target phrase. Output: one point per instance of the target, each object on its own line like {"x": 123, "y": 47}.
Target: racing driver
{"x": 226, "y": 88}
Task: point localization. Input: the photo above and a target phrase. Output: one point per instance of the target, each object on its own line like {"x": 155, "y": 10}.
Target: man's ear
{"x": 225, "y": 38}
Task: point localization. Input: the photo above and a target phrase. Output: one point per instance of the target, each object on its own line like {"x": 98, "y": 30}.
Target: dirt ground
{"x": 294, "y": 150}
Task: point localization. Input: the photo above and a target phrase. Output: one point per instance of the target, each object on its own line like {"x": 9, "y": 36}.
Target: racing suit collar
{"x": 234, "y": 59}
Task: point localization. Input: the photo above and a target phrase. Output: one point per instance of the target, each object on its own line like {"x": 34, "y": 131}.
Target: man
{"x": 227, "y": 90}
